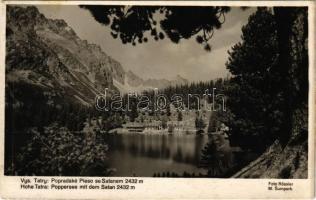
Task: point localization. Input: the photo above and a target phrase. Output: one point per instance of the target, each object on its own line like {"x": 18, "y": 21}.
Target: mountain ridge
{"x": 48, "y": 53}
{"x": 134, "y": 83}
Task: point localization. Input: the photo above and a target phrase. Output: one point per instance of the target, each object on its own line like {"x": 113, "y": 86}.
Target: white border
{"x": 180, "y": 188}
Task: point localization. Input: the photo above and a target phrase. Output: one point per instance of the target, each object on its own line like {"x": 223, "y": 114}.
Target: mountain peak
{"x": 179, "y": 77}
{"x": 48, "y": 53}
{"x": 133, "y": 83}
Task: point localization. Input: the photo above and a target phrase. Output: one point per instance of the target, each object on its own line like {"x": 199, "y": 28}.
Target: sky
{"x": 162, "y": 59}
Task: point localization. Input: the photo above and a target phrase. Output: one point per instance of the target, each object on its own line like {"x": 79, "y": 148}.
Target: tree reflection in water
{"x": 155, "y": 152}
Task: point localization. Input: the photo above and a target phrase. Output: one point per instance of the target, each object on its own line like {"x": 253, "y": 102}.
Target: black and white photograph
{"x": 160, "y": 91}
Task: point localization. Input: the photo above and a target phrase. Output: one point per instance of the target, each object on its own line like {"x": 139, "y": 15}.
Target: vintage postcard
{"x": 157, "y": 99}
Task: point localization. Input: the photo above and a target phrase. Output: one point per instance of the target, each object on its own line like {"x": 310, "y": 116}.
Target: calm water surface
{"x": 145, "y": 154}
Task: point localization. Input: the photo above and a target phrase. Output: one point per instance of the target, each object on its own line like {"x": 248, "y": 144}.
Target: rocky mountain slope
{"x": 283, "y": 161}
{"x": 278, "y": 162}
{"x": 48, "y": 54}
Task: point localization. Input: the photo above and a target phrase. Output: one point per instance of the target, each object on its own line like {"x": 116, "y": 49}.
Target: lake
{"x": 144, "y": 155}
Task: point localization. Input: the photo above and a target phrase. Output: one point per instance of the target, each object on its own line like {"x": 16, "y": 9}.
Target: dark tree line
{"x": 196, "y": 89}
{"x": 29, "y": 106}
